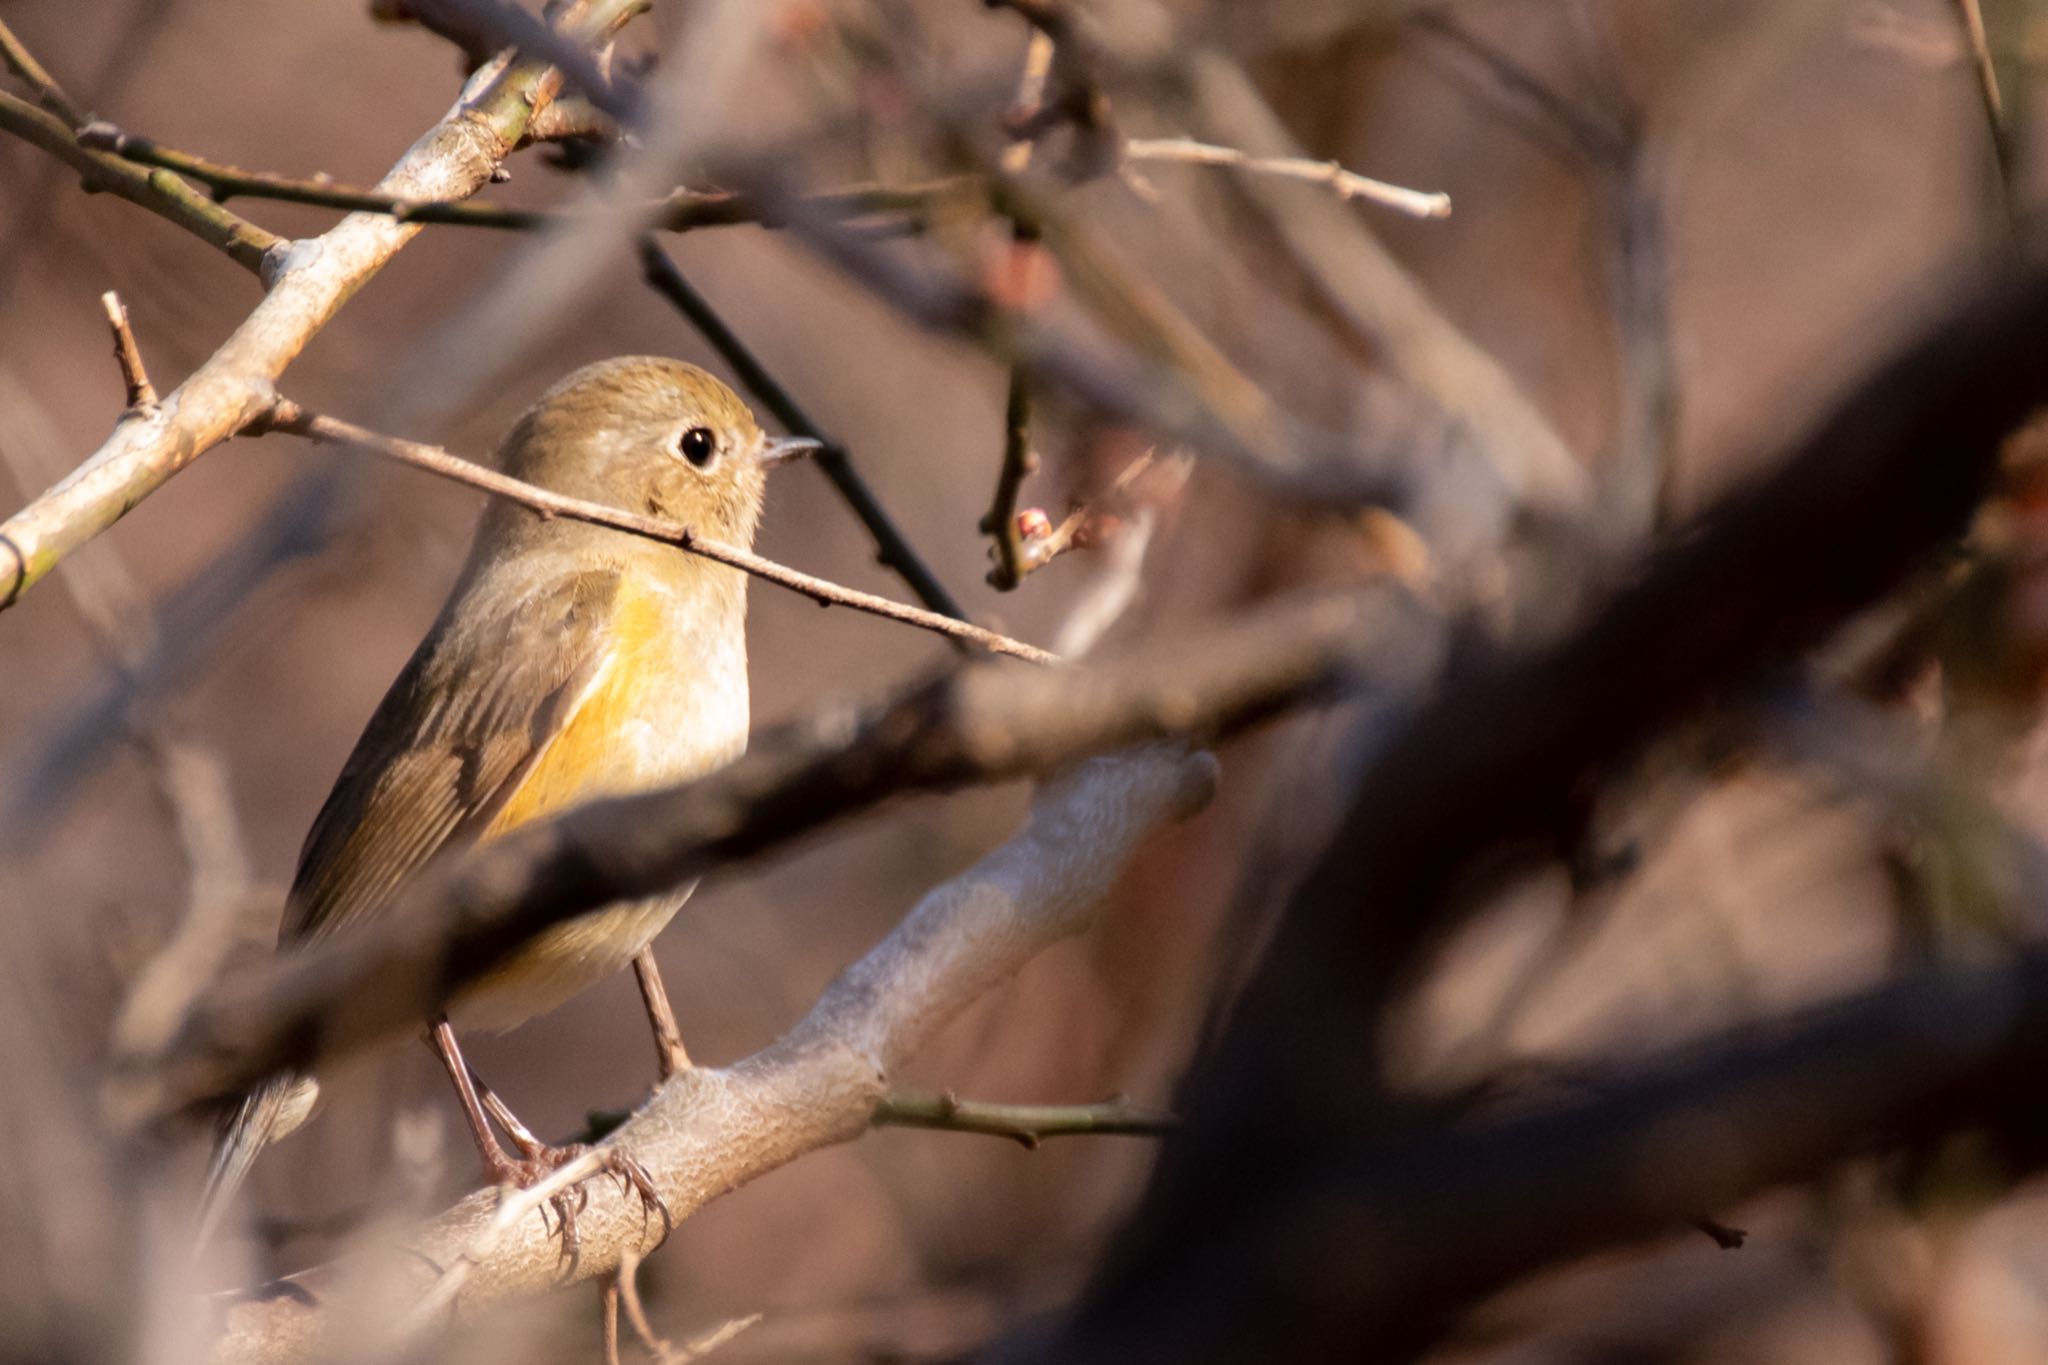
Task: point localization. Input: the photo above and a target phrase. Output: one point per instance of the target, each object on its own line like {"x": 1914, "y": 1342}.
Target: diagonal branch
{"x": 308, "y": 284}
{"x": 159, "y": 191}
{"x": 290, "y": 417}
{"x": 1028, "y": 1124}
{"x": 977, "y": 724}
{"x": 892, "y": 546}
{"x": 680, "y": 211}
{"x": 1492, "y": 762}
{"x": 710, "y": 1130}
{"x": 49, "y": 94}
{"x": 1346, "y": 184}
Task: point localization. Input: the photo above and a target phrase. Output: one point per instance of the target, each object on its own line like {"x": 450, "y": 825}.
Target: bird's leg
{"x": 497, "y": 1165}
{"x": 670, "y": 1056}
{"x": 536, "y": 1159}
{"x": 501, "y": 1114}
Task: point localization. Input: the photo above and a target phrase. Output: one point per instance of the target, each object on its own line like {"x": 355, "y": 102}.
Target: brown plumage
{"x": 570, "y": 662}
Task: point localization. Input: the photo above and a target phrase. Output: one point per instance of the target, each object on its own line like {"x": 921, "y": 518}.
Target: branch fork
{"x": 708, "y": 1130}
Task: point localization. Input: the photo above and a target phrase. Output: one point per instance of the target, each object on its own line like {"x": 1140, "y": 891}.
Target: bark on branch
{"x": 308, "y": 281}
{"x": 1292, "y": 1095}
{"x": 710, "y": 1130}
{"x": 977, "y": 724}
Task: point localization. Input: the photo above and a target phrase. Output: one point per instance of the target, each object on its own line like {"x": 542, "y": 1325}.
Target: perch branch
{"x": 709, "y": 1130}
{"x": 290, "y": 417}
{"x": 974, "y": 724}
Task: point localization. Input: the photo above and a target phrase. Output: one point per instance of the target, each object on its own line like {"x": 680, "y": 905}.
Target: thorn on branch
{"x": 141, "y": 393}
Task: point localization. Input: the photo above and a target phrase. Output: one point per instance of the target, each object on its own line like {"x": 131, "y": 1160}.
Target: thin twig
{"x": 48, "y": 93}
{"x": 711, "y": 1130}
{"x": 696, "y": 1348}
{"x": 307, "y": 285}
{"x": 1028, "y": 1124}
{"x": 892, "y": 548}
{"x": 1076, "y": 95}
{"x": 1000, "y": 525}
{"x": 1072, "y": 528}
{"x": 1114, "y": 589}
{"x": 1030, "y": 96}
{"x": 159, "y": 191}
{"x": 609, "y": 1307}
{"x": 1996, "y": 116}
{"x": 1538, "y": 111}
{"x": 141, "y": 393}
{"x": 680, "y": 211}
{"x": 1346, "y": 184}
{"x": 290, "y": 417}
{"x": 625, "y": 1285}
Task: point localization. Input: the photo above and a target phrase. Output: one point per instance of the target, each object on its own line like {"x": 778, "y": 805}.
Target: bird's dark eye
{"x": 698, "y": 445}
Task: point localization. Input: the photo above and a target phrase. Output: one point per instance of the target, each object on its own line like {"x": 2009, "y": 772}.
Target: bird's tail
{"x": 270, "y": 1111}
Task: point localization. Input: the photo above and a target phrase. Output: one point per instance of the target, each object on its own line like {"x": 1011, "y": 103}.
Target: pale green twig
{"x": 1029, "y": 1124}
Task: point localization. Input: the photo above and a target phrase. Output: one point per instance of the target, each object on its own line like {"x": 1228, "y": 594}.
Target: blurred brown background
{"x": 1818, "y": 167}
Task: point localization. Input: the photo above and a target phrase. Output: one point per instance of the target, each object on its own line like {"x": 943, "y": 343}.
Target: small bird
{"x": 570, "y": 662}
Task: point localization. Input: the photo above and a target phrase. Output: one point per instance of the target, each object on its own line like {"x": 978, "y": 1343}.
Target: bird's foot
{"x": 537, "y": 1161}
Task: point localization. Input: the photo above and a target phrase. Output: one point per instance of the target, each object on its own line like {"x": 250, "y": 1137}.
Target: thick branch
{"x": 1294, "y": 1087}
{"x": 977, "y": 724}
{"x": 309, "y": 284}
{"x": 1409, "y": 1228}
{"x": 708, "y": 1131}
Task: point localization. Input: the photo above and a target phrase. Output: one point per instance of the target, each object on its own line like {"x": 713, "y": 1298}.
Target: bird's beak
{"x": 783, "y": 449}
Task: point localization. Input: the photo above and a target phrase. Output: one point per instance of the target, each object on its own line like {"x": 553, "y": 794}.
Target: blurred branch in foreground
{"x": 976, "y": 724}
{"x": 708, "y": 1130}
{"x": 1489, "y": 763}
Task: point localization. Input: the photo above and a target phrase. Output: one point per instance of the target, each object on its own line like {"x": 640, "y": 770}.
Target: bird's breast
{"x": 668, "y": 704}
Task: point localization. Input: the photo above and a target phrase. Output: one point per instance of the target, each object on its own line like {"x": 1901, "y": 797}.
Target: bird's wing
{"x": 451, "y": 742}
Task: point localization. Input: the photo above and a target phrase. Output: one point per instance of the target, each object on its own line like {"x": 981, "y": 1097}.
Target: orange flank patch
{"x": 578, "y": 762}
